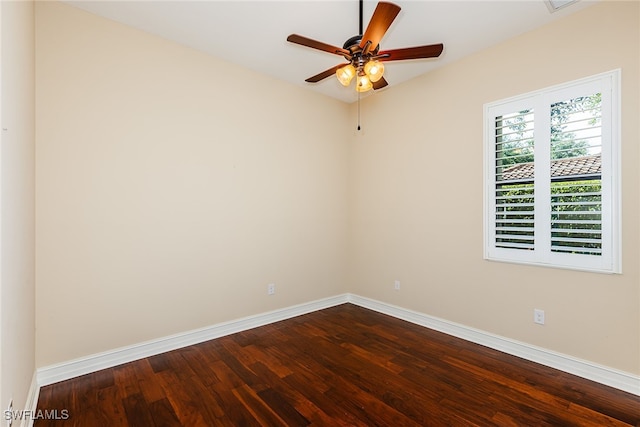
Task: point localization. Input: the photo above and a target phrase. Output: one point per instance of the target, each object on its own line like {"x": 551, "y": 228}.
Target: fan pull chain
{"x": 358, "y": 110}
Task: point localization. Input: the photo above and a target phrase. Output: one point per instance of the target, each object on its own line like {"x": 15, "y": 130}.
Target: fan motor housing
{"x": 353, "y": 46}
{"x": 352, "y": 42}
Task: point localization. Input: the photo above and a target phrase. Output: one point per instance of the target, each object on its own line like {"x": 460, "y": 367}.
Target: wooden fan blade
{"x": 380, "y": 84}
{"x": 323, "y": 75}
{"x": 314, "y": 44}
{"x": 380, "y": 22}
{"x": 418, "y": 52}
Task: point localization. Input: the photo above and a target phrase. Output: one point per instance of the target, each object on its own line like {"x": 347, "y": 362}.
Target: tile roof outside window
{"x": 586, "y": 165}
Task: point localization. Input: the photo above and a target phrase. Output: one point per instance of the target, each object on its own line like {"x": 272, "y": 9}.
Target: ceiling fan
{"x": 365, "y": 59}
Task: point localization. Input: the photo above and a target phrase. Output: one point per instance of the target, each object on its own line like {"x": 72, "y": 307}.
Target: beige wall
{"x": 173, "y": 187}
{"x": 17, "y": 241}
{"x": 416, "y": 207}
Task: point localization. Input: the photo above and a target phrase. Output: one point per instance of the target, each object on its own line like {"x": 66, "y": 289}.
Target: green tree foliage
{"x": 564, "y": 143}
{"x": 516, "y": 135}
{"x": 515, "y": 138}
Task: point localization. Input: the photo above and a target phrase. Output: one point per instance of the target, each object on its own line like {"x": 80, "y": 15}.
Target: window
{"x": 552, "y": 173}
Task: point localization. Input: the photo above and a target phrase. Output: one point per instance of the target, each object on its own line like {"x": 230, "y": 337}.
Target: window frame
{"x": 540, "y": 101}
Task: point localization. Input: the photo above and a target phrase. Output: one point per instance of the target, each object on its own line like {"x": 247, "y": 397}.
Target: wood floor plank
{"x": 304, "y": 406}
{"x": 321, "y": 400}
{"x": 187, "y": 406}
{"x": 266, "y": 357}
{"x": 232, "y": 407}
{"x": 200, "y": 364}
{"x": 138, "y": 410}
{"x": 261, "y": 411}
{"x": 343, "y": 366}
{"x": 108, "y": 411}
{"x": 163, "y": 414}
{"x": 148, "y": 383}
{"x": 126, "y": 380}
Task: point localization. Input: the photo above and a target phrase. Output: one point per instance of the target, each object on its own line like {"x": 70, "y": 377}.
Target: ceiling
{"x": 253, "y": 33}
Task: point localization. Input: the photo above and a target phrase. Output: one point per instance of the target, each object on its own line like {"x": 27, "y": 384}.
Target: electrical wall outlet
{"x": 396, "y": 285}
{"x": 271, "y": 288}
{"x": 538, "y": 316}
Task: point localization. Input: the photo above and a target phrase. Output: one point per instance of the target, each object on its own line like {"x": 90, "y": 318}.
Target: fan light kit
{"x": 365, "y": 60}
{"x": 367, "y": 75}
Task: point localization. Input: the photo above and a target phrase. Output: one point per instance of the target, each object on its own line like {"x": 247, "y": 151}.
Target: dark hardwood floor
{"x": 343, "y": 366}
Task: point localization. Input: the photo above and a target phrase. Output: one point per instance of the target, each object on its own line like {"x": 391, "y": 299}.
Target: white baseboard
{"x": 621, "y": 380}
{"x": 602, "y": 374}
{"x": 95, "y": 362}
{"x": 32, "y": 401}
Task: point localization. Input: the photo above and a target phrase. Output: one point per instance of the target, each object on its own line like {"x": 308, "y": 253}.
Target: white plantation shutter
{"x": 514, "y": 196}
{"x": 576, "y": 226}
{"x": 576, "y": 190}
{"x": 551, "y": 177}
